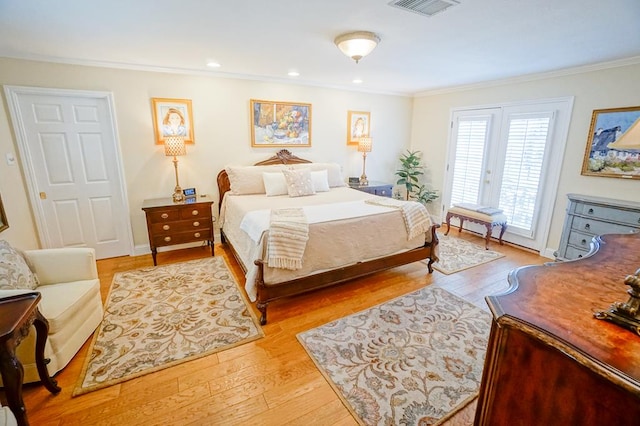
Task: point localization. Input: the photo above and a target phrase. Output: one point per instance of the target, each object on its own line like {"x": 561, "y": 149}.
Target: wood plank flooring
{"x": 271, "y": 381}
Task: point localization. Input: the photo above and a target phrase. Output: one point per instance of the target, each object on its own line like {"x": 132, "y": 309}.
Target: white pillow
{"x": 333, "y": 172}
{"x": 274, "y": 184}
{"x": 248, "y": 179}
{"x": 320, "y": 181}
{"x": 299, "y": 182}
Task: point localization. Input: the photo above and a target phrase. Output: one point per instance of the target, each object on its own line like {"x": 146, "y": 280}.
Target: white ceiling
{"x": 476, "y": 41}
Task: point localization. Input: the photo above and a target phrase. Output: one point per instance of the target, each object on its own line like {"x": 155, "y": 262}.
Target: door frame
{"x": 12, "y": 94}
{"x": 553, "y": 167}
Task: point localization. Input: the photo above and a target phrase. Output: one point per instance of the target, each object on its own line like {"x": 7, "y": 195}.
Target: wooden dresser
{"x": 590, "y": 216}
{"x": 170, "y": 223}
{"x": 549, "y": 361}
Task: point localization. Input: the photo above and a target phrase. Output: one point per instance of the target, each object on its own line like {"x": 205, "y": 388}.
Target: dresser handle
{"x": 196, "y": 223}
{"x": 197, "y": 235}
{"x": 164, "y": 215}
{"x": 579, "y": 255}
{"x": 194, "y": 212}
{"x": 166, "y": 227}
{"x": 590, "y": 211}
{"x": 167, "y": 239}
{"x": 587, "y": 226}
{"x": 583, "y": 242}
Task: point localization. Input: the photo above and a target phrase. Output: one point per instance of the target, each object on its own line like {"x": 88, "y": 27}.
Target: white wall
{"x": 221, "y": 127}
{"x": 598, "y": 89}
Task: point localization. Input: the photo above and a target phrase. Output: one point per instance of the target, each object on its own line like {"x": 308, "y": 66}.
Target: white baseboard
{"x": 548, "y": 253}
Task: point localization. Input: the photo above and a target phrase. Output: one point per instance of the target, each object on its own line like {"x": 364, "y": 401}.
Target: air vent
{"x": 424, "y": 7}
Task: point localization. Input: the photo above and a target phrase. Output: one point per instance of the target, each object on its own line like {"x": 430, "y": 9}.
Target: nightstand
{"x": 375, "y": 188}
{"x": 170, "y": 223}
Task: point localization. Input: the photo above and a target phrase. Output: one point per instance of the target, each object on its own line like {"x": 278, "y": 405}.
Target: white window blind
{"x": 469, "y": 159}
{"x": 523, "y": 165}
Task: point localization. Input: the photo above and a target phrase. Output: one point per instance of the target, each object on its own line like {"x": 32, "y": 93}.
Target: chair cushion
{"x": 61, "y": 303}
{"x": 14, "y": 270}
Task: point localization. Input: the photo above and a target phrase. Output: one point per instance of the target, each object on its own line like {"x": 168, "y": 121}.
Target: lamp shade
{"x": 364, "y": 145}
{"x": 174, "y": 146}
{"x": 358, "y": 44}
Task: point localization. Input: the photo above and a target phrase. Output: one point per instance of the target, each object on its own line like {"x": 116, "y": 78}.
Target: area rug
{"x": 456, "y": 254}
{"x": 161, "y": 316}
{"x": 415, "y": 360}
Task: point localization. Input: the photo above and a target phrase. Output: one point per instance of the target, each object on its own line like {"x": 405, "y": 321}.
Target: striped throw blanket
{"x": 415, "y": 215}
{"x": 288, "y": 235}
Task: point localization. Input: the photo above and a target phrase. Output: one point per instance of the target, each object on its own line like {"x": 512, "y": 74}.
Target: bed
{"x": 349, "y": 233}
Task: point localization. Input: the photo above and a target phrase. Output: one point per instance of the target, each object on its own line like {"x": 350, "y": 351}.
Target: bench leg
{"x": 504, "y": 228}
{"x": 448, "y": 223}
{"x": 488, "y": 237}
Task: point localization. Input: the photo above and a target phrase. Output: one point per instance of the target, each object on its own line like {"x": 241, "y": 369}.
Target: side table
{"x": 376, "y": 188}
{"x": 17, "y": 314}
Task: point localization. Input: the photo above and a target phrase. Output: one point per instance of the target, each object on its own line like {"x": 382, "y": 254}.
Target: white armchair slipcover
{"x": 7, "y": 418}
{"x": 71, "y": 302}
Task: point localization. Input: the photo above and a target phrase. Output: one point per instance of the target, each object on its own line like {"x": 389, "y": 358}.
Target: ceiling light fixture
{"x": 213, "y": 64}
{"x": 293, "y": 73}
{"x": 358, "y": 44}
{"x": 357, "y": 81}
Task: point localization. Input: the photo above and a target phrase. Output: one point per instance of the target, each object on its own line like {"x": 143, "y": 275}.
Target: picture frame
{"x": 280, "y": 124}
{"x": 358, "y": 125}
{"x": 613, "y": 144}
{"x": 3, "y": 217}
{"x": 172, "y": 117}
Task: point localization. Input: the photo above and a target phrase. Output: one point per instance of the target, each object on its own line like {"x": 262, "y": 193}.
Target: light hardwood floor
{"x": 271, "y": 381}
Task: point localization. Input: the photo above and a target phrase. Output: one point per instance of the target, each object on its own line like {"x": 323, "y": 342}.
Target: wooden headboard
{"x": 282, "y": 157}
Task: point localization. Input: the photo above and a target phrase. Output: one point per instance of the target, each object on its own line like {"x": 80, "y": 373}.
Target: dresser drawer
{"x": 596, "y": 227}
{"x": 609, "y": 214}
{"x": 575, "y": 253}
{"x": 190, "y": 212}
{"x": 181, "y": 237}
{"x": 181, "y": 226}
{"x": 159, "y": 216}
{"x": 580, "y": 239}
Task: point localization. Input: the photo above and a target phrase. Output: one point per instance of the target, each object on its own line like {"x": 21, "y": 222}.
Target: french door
{"x": 509, "y": 157}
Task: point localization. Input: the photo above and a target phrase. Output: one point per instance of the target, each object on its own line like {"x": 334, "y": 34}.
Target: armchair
{"x": 70, "y": 288}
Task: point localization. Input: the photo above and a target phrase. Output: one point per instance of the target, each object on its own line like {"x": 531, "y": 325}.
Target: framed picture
{"x": 3, "y": 218}
{"x": 172, "y": 117}
{"x": 358, "y": 123}
{"x": 280, "y": 124}
{"x": 613, "y": 144}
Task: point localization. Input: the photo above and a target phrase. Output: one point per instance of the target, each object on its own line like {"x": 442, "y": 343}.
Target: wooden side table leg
{"x": 154, "y": 253}
{"x": 42, "y": 332}
{"x": 12, "y": 376}
{"x": 212, "y": 249}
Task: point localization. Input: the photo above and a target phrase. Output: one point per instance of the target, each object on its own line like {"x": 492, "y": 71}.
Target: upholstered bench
{"x": 488, "y": 216}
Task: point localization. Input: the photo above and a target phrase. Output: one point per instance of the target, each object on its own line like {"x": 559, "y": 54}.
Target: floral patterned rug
{"x": 161, "y": 316}
{"x": 456, "y": 254}
{"x": 415, "y": 360}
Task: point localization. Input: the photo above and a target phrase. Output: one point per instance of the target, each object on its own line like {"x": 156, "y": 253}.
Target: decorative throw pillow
{"x": 275, "y": 184}
{"x": 320, "y": 181}
{"x": 299, "y": 182}
{"x": 248, "y": 179}
{"x": 14, "y": 270}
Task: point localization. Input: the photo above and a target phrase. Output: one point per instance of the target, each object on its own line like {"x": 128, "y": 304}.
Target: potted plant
{"x": 409, "y": 173}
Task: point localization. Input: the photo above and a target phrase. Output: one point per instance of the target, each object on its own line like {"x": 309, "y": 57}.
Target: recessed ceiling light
{"x": 213, "y": 64}
{"x": 357, "y": 80}
{"x": 293, "y": 73}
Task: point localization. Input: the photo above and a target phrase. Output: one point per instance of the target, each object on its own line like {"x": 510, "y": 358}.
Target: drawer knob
{"x": 197, "y": 235}
{"x": 167, "y": 239}
{"x": 166, "y": 227}
{"x": 164, "y": 215}
{"x": 590, "y": 211}
{"x": 587, "y": 226}
{"x": 584, "y": 242}
{"x": 194, "y": 212}
{"x": 579, "y": 255}
{"x": 196, "y": 223}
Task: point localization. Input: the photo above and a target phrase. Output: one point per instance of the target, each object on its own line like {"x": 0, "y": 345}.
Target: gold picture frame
{"x": 172, "y": 117}
{"x": 613, "y": 144}
{"x": 3, "y": 217}
{"x": 280, "y": 124}
{"x": 358, "y": 126}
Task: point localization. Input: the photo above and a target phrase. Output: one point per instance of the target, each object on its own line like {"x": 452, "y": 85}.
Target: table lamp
{"x": 364, "y": 146}
{"x": 174, "y": 146}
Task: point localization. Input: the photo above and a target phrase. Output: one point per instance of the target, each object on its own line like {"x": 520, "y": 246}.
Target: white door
{"x": 509, "y": 157}
{"x": 67, "y": 141}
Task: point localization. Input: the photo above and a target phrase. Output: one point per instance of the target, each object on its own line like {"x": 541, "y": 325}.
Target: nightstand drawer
{"x": 181, "y": 237}
{"x": 180, "y": 226}
{"x": 163, "y": 216}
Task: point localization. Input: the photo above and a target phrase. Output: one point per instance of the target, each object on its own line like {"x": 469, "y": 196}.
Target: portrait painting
{"x": 613, "y": 144}
{"x": 172, "y": 117}
{"x": 280, "y": 124}
{"x": 3, "y": 217}
{"x": 358, "y": 126}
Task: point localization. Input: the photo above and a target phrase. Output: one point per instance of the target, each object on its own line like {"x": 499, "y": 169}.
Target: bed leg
{"x": 262, "y": 307}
